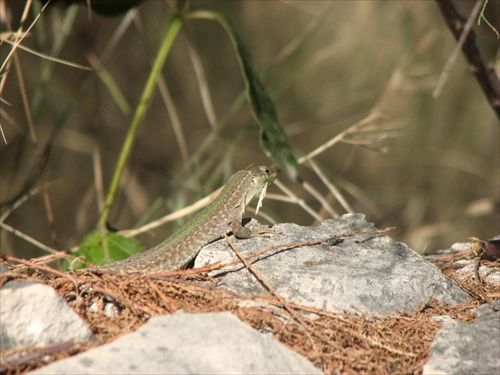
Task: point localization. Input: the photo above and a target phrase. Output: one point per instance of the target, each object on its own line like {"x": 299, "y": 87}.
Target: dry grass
{"x": 336, "y": 343}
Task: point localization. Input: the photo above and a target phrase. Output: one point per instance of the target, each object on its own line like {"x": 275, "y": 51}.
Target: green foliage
{"x": 68, "y": 133}
{"x": 98, "y": 249}
{"x": 139, "y": 114}
{"x": 273, "y": 138}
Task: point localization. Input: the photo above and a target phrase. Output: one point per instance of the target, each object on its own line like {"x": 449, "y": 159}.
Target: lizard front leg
{"x": 240, "y": 231}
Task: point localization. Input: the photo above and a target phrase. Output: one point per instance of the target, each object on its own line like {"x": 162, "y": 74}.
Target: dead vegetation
{"x": 114, "y": 305}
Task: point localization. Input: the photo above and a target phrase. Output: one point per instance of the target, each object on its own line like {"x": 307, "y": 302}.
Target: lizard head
{"x": 260, "y": 177}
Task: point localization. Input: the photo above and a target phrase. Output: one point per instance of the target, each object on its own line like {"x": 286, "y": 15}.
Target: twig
{"x": 18, "y": 42}
{"x": 482, "y": 17}
{"x": 319, "y": 197}
{"x": 335, "y": 192}
{"x": 374, "y": 114}
{"x": 45, "y": 268}
{"x": 173, "y": 216}
{"x": 293, "y": 245}
{"x": 485, "y": 74}
{"x": 453, "y": 57}
{"x": 271, "y": 290}
{"x": 36, "y": 354}
{"x": 42, "y": 260}
{"x": 27, "y": 238}
{"x": 298, "y": 200}
{"x": 201, "y": 79}
{"x": 480, "y": 281}
{"x": 93, "y": 288}
{"x": 23, "y": 199}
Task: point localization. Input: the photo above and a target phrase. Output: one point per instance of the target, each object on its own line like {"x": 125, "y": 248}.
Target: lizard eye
{"x": 266, "y": 170}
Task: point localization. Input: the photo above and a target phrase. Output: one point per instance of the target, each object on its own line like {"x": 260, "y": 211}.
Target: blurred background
{"x": 427, "y": 165}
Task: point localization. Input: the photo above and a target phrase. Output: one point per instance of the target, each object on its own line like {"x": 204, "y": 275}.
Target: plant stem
{"x": 139, "y": 115}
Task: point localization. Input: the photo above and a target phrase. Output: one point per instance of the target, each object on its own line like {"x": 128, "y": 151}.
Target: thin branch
{"x": 453, "y": 57}
{"x": 201, "y": 79}
{"x": 319, "y": 197}
{"x": 274, "y": 293}
{"x": 336, "y": 193}
{"x": 171, "y": 217}
{"x": 482, "y": 17}
{"x": 484, "y": 72}
{"x": 45, "y": 56}
{"x": 27, "y": 238}
{"x": 18, "y": 42}
{"x": 299, "y": 201}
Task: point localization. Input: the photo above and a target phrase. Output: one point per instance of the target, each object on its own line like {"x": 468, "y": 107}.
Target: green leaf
{"x": 93, "y": 249}
{"x": 273, "y": 138}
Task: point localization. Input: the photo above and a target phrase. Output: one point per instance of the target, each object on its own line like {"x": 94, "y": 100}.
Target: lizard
{"x": 221, "y": 216}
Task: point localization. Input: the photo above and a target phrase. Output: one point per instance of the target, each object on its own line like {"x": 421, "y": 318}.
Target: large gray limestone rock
{"x": 33, "y": 314}
{"x": 362, "y": 273}
{"x": 217, "y": 343}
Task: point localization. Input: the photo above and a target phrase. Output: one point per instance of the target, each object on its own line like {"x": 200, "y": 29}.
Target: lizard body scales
{"x": 221, "y": 216}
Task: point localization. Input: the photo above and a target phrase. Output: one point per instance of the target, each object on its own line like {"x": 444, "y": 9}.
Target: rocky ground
{"x": 338, "y": 298}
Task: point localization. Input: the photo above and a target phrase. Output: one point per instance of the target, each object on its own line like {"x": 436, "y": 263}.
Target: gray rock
{"x": 490, "y": 275}
{"x": 362, "y": 273}
{"x": 465, "y": 267}
{"x": 181, "y": 343}
{"x": 463, "y": 348}
{"x": 34, "y": 314}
